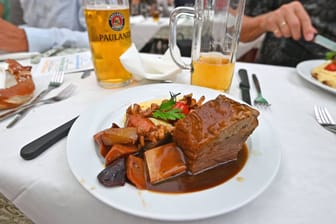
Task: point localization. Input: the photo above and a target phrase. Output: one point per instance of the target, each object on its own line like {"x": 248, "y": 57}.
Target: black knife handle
{"x": 244, "y": 85}
{"x": 244, "y": 78}
{"x": 256, "y": 83}
{"x": 38, "y": 146}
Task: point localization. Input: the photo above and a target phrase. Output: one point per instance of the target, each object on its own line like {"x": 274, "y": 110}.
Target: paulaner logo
{"x": 117, "y": 21}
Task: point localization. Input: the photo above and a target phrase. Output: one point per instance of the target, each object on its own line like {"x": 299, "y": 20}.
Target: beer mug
{"x": 109, "y": 31}
{"x": 215, "y": 40}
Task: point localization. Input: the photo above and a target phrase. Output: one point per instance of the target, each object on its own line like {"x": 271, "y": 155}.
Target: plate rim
{"x": 308, "y": 77}
{"x": 17, "y": 55}
{"x": 169, "y": 217}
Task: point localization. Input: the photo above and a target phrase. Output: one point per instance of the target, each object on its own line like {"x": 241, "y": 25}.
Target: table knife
{"x": 244, "y": 86}
{"x": 22, "y": 113}
{"x": 18, "y": 56}
{"x": 38, "y": 146}
{"x": 86, "y": 73}
{"x": 48, "y": 53}
{"x": 325, "y": 42}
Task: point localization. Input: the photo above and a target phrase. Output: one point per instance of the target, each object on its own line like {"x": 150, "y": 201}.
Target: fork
{"x": 55, "y": 81}
{"x": 259, "y": 100}
{"x": 324, "y": 118}
{"x": 65, "y": 93}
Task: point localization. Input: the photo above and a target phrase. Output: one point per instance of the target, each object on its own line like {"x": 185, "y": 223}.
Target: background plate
{"x": 18, "y": 56}
{"x": 260, "y": 169}
{"x": 304, "y": 70}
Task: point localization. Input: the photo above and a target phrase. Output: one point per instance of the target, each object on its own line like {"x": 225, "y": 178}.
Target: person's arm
{"x": 16, "y": 39}
{"x": 12, "y": 38}
{"x": 290, "y": 20}
{"x": 252, "y": 28}
{"x": 27, "y": 38}
{"x": 44, "y": 39}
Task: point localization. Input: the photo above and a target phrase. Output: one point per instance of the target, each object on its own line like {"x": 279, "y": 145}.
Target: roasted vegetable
{"x": 117, "y": 151}
{"x": 114, "y": 174}
{"x": 135, "y": 171}
{"x": 119, "y": 136}
{"x": 164, "y": 162}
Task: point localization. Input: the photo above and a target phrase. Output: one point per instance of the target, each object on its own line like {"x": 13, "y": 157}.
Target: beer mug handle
{"x": 174, "y": 16}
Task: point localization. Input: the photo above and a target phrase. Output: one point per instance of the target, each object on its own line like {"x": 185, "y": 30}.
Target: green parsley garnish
{"x": 167, "y": 111}
{"x": 330, "y": 55}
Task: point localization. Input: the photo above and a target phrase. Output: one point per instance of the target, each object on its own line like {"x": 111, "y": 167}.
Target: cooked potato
{"x": 119, "y": 136}
{"x": 164, "y": 162}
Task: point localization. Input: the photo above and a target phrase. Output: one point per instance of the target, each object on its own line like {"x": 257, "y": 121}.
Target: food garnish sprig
{"x": 331, "y": 55}
{"x": 171, "y": 109}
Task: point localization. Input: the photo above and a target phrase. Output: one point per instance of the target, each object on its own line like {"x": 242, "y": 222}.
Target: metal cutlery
{"x": 324, "y": 118}
{"x": 55, "y": 81}
{"x": 38, "y": 146}
{"x": 260, "y": 100}
{"x": 18, "y": 56}
{"x": 86, "y": 73}
{"x": 245, "y": 86}
{"x": 325, "y": 42}
{"x": 48, "y": 53}
{"x": 64, "y": 94}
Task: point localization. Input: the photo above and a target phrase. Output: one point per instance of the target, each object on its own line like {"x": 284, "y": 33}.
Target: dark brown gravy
{"x": 190, "y": 183}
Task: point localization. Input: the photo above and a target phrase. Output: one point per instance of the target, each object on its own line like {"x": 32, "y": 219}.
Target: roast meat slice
{"x": 214, "y": 133}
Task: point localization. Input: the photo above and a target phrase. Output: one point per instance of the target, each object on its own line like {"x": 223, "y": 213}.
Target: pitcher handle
{"x": 174, "y": 16}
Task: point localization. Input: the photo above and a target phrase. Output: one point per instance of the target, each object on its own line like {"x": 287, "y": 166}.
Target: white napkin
{"x": 146, "y": 66}
{"x": 137, "y": 19}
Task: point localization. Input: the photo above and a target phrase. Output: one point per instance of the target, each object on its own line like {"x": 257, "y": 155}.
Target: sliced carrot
{"x": 117, "y": 151}
{"x": 103, "y": 150}
{"x": 135, "y": 171}
{"x": 97, "y": 137}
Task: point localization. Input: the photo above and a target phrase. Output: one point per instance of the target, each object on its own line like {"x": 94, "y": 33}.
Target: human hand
{"x": 12, "y": 38}
{"x": 290, "y": 20}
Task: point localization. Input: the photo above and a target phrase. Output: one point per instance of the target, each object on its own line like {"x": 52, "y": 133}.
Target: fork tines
{"x": 324, "y": 118}
{"x": 260, "y": 100}
{"x": 57, "y": 78}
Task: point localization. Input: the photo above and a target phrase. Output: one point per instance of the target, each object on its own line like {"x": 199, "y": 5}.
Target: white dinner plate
{"x": 18, "y": 55}
{"x": 257, "y": 174}
{"x": 304, "y": 70}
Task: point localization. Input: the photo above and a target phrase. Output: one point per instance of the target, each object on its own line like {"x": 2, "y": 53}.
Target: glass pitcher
{"x": 216, "y": 32}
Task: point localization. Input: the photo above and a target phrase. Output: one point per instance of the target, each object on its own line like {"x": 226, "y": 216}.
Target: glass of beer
{"x": 155, "y": 12}
{"x": 215, "y": 40}
{"x": 109, "y": 31}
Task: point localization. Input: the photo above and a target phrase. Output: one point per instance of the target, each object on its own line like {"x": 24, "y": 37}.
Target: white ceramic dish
{"x": 304, "y": 70}
{"x": 259, "y": 171}
{"x": 18, "y": 56}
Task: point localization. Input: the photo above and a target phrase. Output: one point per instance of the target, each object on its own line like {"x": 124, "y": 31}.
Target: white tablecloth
{"x": 303, "y": 191}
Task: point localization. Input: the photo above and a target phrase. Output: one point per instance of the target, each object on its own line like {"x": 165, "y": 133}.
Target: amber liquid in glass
{"x": 110, "y": 36}
{"x": 212, "y": 70}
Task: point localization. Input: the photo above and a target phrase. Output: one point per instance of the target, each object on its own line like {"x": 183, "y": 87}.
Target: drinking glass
{"x": 215, "y": 39}
{"x": 108, "y": 25}
{"x": 155, "y": 12}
